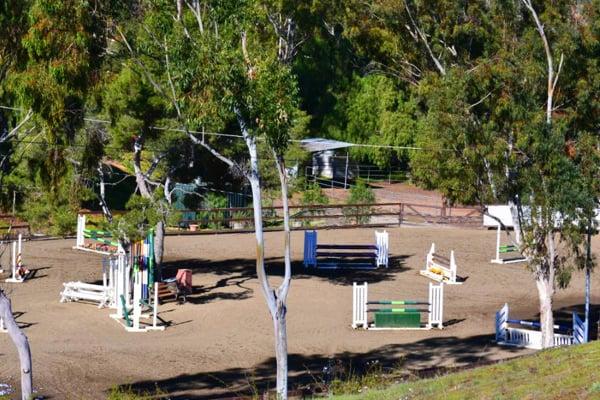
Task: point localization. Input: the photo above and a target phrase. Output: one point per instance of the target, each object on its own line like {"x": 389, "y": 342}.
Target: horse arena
{"x": 220, "y": 342}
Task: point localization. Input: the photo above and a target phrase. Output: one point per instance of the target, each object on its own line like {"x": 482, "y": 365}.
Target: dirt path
{"x": 221, "y": 340}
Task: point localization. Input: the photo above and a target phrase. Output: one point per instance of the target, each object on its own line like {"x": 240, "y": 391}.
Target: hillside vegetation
{"x": 563, "y": 373}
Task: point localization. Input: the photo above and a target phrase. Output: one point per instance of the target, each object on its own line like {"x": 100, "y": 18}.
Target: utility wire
{"x": 229, "y": 135}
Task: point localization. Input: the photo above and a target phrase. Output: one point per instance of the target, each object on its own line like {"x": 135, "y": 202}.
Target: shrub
{"x": 359, "y": 194}
{"x": 313, "y": 195}
{"x": 213, "y": 219}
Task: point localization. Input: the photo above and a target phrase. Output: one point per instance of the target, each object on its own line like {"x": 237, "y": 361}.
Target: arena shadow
{"x": 237, "y": 271}
{"x": 309, "y": 374}
{"x": 564, "y": 316}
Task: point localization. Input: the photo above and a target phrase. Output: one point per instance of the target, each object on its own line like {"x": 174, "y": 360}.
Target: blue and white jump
{"x": 353, "y": 256}
{"x": 511, "y": 336}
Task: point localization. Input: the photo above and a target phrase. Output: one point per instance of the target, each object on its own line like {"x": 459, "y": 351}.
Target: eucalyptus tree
{"x": 221, "y": 77}
{"x": 506, "y": 115}
{"x": 21, "y": 344}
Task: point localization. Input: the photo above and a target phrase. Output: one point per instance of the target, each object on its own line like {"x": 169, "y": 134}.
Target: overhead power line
{"x": 230, "y": 135}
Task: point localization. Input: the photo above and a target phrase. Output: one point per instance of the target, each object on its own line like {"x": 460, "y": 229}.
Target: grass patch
{"x": 564, "y": 373}
{"x": 126, "y": 393}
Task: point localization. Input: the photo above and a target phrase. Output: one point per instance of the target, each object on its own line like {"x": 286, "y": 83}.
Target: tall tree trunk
{"x": 279, "y": 319}
{"x": 276, "y": 307}
{"x": 159, "y": 243}
{"x": 545, "y": 289}
{"x": 103, "y": 203}
{"x": 21, "y": 343}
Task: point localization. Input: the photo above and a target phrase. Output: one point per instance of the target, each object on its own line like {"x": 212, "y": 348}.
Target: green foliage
{"x": 141, "y": 216}
{"x": 47, "y": 216}
{"x": 359, "y": 194}
{"x": 312, "y": 195}
{"x": 378, "y": 112}
{"x": 213, "y": 219}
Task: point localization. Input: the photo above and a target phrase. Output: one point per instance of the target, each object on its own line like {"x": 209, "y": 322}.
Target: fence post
{"x": 401, "y": 214}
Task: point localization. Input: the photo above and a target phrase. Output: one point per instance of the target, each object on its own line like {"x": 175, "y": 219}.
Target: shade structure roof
{"x": 320, "y": 144}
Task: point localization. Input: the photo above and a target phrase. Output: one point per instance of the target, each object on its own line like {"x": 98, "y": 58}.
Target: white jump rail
{"x": 360, "y": 299}
{"x": 440, "y": 268}
{"x": 104, "y": 295}
{"x": 116, "y": 292}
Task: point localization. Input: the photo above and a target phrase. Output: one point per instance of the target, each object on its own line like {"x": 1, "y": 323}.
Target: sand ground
{"x": 220, "y": 342}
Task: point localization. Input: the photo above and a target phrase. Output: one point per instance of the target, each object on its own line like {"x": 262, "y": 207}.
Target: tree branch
{"x": 423, "y": 37}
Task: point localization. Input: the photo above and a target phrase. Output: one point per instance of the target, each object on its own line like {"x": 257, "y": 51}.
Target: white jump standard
{"x": 18, "y": 272}
{"x": 505, "y": 249}
{"x": 440, "y": 268}
{"x": 397, "y": 318}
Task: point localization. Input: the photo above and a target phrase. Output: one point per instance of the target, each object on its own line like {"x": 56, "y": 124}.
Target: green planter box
{"x": 397, "y": 320}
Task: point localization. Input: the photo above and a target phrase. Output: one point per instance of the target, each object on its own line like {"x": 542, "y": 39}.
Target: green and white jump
{"x": 506, "y": 249}
{"x": 102, "y": 241}
{"x": 404, "y": 318}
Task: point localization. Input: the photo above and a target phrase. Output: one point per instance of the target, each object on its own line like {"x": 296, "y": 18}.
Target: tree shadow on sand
{"x": 418, "y": 359}
{"x": 239, "y": 271}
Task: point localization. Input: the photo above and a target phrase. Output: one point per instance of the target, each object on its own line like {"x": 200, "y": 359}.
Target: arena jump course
{"x": 519, "y": 337}
{"x": 440, "y": 268}
{"x": 350, "y": 256}
{"x": 103, "y": 242}
{"x": 397, "y": 318}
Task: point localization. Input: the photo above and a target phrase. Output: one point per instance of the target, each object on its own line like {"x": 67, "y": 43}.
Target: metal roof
{"x": 320, "y": 144}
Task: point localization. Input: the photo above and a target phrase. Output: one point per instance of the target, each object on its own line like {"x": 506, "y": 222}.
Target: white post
{"x": 14, "y": 278}
{"x": 137, "y": 298}
{"x": 436, "y": 306}
{"x": 382, "y": 243}
{"x": 452, "y": 267}
{"x": 155, "y": 326}
{"x": 155, "y": 306}
{"x": 359, "y": 305}
{"x": 80, "y": 241}
{"x": 14, "y": 260}
{"x": 127, "y": 288}
{"x": 430, "y": 255}
{"x": 2, "y": 326}
{"x": 498, "y": 243}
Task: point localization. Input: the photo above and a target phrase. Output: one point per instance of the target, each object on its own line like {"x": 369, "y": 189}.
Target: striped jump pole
{"x": 535, "y": 324}
{"x": 400, "y": 302}
{"x": 398, "y": 310}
